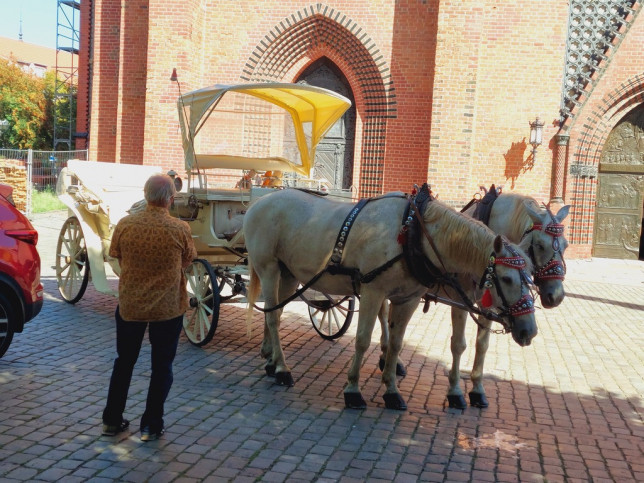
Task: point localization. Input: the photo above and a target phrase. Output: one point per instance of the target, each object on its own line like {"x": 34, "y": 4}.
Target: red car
{"x": 21, "y": 293}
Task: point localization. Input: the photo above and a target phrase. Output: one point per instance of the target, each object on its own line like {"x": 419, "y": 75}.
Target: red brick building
{"x": 443, "y": 91}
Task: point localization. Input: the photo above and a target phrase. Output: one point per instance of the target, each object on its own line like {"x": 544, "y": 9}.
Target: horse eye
{"x": 506, "y": 280}
{"x": 540, "y": 246}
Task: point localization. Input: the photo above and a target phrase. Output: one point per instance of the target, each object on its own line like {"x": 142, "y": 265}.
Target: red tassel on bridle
{"x": 486, "y": 300}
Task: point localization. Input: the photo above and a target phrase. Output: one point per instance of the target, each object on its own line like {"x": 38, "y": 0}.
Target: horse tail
{"x": 254, "y": 286}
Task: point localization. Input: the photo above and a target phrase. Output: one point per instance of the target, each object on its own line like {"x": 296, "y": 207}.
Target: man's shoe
{"x": 114, "y": 429}
{"x": 147, "y": 435}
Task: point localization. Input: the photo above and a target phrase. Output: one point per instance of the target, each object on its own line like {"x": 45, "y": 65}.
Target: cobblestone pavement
{"x": 567, "y": 408}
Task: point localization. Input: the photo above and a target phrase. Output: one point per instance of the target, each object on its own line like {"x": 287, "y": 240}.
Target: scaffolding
{"x": 66, "y": 84}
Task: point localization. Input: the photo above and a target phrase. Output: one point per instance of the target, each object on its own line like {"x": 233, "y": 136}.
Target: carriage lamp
{"x": 536, "y": 136}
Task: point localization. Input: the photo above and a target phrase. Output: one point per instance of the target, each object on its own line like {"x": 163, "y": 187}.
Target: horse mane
{"x": 518, "y": 220}
{"x": 459, "y": 236}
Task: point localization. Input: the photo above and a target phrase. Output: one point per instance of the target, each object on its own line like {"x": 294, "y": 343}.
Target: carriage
{"x": 268, "y": 133}
{"x": 240, "y": 143}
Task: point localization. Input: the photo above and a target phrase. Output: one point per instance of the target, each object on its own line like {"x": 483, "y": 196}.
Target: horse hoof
{"x": 270, "y": 370}
{"x": 394, "y": 401}
{"x": 478, "y": 400}
{"x": 284, "y": 379}
{"x": 400, "y": 369}
{"x": 457, "y": 402}
{"x": 354, "y": 400}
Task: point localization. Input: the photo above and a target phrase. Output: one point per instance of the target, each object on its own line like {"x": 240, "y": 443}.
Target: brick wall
{"x": 499, "y": 65}
{"x": 444, "y": 90}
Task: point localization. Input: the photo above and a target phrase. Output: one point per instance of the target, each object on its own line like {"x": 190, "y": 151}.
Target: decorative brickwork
{"x": 320, "y": 30}
{"x": 595, "y": 29}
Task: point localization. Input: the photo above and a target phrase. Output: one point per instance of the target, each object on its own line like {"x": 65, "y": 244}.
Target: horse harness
{"x": 431, "y": 276}
{"x": 334, "y": 265}
{"x": 423, "y": 269}
{"x": 417, "y": 262}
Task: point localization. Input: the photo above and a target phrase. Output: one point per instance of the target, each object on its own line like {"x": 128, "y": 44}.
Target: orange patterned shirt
{"x": 153, "y": 248}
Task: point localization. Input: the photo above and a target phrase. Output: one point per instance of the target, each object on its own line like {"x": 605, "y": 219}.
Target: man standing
{"x": 153, "y": 249}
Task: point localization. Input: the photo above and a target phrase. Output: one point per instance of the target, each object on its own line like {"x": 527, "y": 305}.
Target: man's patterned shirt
{"x": 153, "y": 248}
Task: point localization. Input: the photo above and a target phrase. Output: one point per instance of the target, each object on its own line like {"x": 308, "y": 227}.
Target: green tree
{"x": 26, "y": 103}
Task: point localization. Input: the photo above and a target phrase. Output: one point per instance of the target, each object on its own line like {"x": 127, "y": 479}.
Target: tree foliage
{"x": 26, "y": 103}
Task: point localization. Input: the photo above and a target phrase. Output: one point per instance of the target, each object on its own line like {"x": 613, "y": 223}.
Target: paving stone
{"x": 560, "y": 409}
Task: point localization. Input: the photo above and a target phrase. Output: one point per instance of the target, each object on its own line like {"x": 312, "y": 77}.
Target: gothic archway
{"x": 319, "y": 31}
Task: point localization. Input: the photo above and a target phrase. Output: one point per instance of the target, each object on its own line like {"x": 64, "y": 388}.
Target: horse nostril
{"x": 524, "y": 337}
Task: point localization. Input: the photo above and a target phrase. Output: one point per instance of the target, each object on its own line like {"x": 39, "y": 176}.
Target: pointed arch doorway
{"x": 334, "y": 155}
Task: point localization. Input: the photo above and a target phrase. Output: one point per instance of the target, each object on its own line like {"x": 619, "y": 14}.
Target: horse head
{"x": 506, "y": 291}
{"x": 546, "y": 245}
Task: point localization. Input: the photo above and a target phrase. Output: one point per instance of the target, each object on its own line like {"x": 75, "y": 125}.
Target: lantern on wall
{"x": 536, "y": 136}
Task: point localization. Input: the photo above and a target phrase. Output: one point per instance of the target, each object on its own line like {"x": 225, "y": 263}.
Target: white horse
{"x": 292, "y": 237}
{"x": 540, "y": 234}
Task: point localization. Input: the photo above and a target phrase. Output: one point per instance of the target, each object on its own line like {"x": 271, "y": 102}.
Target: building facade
{"x": 443, "y": 91}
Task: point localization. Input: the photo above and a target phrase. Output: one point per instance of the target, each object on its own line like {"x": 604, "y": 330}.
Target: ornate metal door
{"x": 334, "y": 155}
{"x": 620, "y": 192}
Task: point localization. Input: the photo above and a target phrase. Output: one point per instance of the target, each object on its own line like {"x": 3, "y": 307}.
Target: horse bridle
{"x": 553, "y": 269}
{"x": 523, "y": 306}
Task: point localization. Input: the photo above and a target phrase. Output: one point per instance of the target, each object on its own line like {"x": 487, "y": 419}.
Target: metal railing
{"x": 42, "y": 168}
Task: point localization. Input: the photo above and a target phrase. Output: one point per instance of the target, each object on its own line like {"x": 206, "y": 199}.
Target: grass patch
{"x": 45, "y": 200}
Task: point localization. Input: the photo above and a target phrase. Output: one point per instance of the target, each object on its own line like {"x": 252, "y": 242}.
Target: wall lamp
{"x": 536, "y": 136}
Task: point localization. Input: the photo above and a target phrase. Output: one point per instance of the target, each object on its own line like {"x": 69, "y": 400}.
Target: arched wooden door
{"x": 334, "y": 155}
{"x": 620, "y": 191}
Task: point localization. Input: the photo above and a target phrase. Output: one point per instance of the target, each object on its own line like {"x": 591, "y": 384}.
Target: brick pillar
{"x": 559, "y": 168}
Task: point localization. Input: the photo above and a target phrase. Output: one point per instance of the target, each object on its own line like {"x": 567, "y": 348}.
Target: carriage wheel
{"x": 72, "y": 265}
{"x": 200, "y": 320}
{"x": 331, "y": 317}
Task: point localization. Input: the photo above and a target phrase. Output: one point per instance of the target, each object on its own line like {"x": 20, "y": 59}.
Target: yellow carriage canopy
{"x": 268, "y": 126}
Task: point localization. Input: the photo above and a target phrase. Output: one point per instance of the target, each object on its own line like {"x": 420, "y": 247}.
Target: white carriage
{"x": 240, "y": 142}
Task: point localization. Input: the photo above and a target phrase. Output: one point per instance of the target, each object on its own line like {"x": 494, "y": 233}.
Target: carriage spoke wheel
{"x": 72, "y": 265}
{"x": 200, "y": 320}
{"x": 331, "y": 317}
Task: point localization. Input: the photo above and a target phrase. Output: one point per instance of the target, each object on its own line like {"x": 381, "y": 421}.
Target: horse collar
{"x": 421, "y": 267}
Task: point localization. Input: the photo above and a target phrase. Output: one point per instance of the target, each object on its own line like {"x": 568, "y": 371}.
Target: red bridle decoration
{"x": 512, "y": 262}
{"x": 552, "y": 229}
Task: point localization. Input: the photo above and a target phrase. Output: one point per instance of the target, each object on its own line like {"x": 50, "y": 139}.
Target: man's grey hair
{"x": 158, "y": 190}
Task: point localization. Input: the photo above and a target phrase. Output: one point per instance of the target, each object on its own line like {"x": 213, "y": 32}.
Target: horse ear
{"x": 498, "y": 244}
{"x": 563, "y": 213}
{"x": 533, "y": 211}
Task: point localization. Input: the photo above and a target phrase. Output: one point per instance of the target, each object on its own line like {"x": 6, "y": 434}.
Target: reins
{"x": 433, "y": 276}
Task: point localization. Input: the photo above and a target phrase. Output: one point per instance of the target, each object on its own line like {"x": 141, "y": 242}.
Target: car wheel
{"x": 7, "y": 323}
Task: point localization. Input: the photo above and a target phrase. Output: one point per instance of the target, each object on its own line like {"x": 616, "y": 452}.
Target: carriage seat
{"x": 272, "y": 179}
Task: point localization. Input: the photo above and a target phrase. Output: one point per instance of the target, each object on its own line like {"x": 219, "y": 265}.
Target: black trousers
{"x": 164, "y": 339}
